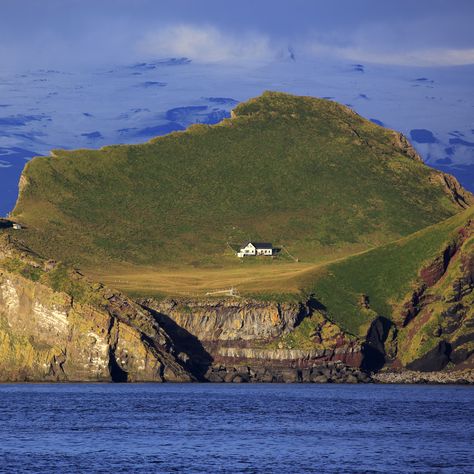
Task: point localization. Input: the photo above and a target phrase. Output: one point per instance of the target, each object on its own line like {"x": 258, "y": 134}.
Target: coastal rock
{"x": 415, "y": 377}
{"x": 224, "y": 320}
{"x": 320, "y": 379}
{"x": 336, "y": 373}
{"x": 53, "y": 335}
{"x": 241, "y": 332}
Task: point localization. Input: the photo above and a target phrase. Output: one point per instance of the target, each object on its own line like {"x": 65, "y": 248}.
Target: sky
{"x": 87, "y": 73}
{"x": 54, "y": 33}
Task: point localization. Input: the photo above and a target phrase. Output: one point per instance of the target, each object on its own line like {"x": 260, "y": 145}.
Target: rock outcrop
{"x": 458, "y": 194}
{"x": 219, "y": 338}
{"x": 437, "y": 328}
{"x": 232, "y": 319}
{"x": 57, "y": 326}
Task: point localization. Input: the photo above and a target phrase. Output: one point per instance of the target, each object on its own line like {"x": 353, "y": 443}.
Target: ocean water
{"x": 211, "y": 428}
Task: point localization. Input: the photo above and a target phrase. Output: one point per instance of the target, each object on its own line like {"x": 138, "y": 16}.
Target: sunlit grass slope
{"x": 386, "y": 276}
{"x": 305, "y": 173}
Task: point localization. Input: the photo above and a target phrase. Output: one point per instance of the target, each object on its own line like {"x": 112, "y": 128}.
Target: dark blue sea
{"x": 209, "y": 428}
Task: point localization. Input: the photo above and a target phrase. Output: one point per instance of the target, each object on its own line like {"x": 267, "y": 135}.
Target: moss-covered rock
{"x": 442, "y": 328}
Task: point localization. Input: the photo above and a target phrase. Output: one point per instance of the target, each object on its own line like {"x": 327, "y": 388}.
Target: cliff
{"x": 259, "y": 341}
{"x": 57, "y": 326}
{"x": 431, "y": 329}
{"x": 437, "y": 321}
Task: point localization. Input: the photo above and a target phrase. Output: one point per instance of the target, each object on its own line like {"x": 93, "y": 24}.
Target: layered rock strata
{"x": 251, "y": 340}
{"x": 81, "y": 332}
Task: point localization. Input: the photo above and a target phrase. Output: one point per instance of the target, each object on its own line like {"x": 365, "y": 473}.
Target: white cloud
{"x": 207, "y": 44}
{"x": 416, "y": 57}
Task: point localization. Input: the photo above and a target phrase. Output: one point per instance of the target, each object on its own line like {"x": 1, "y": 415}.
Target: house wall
{"x": 249, "y": 250}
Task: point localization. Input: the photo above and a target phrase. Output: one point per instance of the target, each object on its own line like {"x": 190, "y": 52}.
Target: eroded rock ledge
{"x": 223, "y": 339}
{"x": 57, "y": 326}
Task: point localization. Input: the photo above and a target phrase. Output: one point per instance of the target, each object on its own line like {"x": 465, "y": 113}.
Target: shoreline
{"x": 411, "y": 377}
{"x": 405, "y": 377}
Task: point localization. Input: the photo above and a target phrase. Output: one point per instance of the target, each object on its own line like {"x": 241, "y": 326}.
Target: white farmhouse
{"x": 251, "y": 249}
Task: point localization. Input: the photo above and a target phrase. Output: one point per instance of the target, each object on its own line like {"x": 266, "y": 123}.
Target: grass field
{"x": 285, "y": 278}
{"x": 385, "y": 274}
{"x": 281, "y": 277}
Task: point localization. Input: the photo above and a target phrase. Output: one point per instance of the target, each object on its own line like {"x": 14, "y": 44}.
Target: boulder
{"x": 320, "y": 379}
{"x": 289, "y": 376}
{"x": 229, "y": 376}
{"x": 214, "y": 377}
{"x": 239, "y": 379}
{"x": 266, "y": 377}
{"x": 351, "y": 379}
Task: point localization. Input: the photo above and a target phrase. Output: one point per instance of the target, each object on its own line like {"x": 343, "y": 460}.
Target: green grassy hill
{"x": 380, "y": 281}
{"x": 305, "y": 173}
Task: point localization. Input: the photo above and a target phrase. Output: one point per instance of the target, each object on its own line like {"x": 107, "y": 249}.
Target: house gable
{"x": 249, "y": 249}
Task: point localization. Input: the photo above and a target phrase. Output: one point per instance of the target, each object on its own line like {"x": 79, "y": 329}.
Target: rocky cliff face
{"x": 80, "y": 333}
{"x": 55, "y": 325}
{"x": 232, "y": 319}
{"x": 253, "y": 340}
{"x": 436, "y": 323}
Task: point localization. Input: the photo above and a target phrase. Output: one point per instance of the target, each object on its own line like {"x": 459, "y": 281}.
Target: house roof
{"x": 260, "y": 245}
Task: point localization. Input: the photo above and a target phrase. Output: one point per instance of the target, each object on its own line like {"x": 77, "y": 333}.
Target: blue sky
{"x": 82, "y": 73}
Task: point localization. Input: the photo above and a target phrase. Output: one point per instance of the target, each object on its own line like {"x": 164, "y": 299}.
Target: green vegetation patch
{"x": 384, "y": 276}
{"x": 63, "y": 279}
{"x": 25, "y": 269}
{"x": 305, "y": 173}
